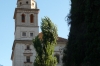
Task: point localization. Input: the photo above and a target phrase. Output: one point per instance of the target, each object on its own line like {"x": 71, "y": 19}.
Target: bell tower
{"x": 26, "y": 28}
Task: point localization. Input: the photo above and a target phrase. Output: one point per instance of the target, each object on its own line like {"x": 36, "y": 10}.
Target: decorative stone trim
{"x": 28, "y": 62}
{"x": 28, "y": 54}
{"x": 27, "y": 26}
{"x": 28, "y": 49}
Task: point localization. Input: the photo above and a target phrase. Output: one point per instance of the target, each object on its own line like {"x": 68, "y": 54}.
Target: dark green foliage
{"x": 45, "y": 46}
{"x": 38, "y": 47}
{"x": 74, "y": 51}
{"x": 84, "y": 41}
{"x": 93, "y": 31}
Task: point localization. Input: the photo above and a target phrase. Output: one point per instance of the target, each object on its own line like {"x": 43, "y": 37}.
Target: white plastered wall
{"x": 19, "y": 31}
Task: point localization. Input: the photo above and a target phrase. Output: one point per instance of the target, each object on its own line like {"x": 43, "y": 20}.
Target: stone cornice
{"x": 28, "y": 54}
{"x": 27, "y": 62}
{"x": 21, "y": 42}
{"x": 28, "y": 42}
{"x": 26, "y": 26}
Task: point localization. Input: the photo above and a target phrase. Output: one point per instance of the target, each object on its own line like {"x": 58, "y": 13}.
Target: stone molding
{"x": 28, "y": 54}
{"x": 26, "y": 26}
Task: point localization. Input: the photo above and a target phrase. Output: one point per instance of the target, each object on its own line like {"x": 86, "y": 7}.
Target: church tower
{"x": 26, "y": 28}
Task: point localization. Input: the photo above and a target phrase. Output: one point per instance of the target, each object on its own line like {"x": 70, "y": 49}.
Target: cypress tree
{"x": 92, "y": 19}
{"x": 45, "y": 45}
{"x": 74, "y": 51}
{"x": 84, "y": 41}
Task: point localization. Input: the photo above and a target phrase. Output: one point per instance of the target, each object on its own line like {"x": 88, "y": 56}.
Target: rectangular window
{"x": 28, "y": 47}
{"x": 31, "y": 34}
{"x": 23, "y": 33}
{"x": 28, "y": 59}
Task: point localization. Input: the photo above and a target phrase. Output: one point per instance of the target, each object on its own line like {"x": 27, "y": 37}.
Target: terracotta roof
{"x": 60, "y": 39}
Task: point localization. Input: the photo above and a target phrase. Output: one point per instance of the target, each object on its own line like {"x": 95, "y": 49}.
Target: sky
{"x": 56, "y": 10}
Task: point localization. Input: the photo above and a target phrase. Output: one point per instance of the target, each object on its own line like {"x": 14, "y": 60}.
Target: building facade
{"x": 26, "y": 28}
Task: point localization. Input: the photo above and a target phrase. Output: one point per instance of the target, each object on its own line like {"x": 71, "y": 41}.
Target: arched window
{"x": 23, "y": 18}
{"x": 31, "y": 18}
{"x": 57, "y": 56}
